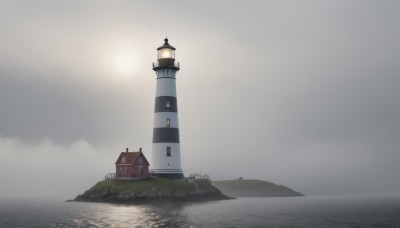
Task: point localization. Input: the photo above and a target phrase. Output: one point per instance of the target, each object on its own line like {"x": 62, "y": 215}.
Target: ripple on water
{"x": 244, "y": 212}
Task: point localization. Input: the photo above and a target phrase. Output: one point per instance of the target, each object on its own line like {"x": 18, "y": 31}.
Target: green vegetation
{"x": 253, "y": 188}
{"x": 155, "y": 183}
{"x": 151, "y": 188}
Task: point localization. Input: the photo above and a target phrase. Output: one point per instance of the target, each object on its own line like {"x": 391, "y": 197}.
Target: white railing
{"x": 199, "y": 176}
{"x": 110, "y": 176}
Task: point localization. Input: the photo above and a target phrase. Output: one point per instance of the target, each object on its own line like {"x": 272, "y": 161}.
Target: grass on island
{"x": 154, "y": 183}
{"x": 247, "y": 188}
{"x": 245, "y": 183}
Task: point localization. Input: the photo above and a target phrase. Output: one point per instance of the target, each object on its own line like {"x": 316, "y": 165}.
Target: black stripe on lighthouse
{"x": 166, "y": 104}
{"x": 165, "y": 135}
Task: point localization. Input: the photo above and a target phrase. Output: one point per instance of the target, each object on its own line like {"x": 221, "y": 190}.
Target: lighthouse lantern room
{"x": 166, "y": 156}
{"x": 166, "y": 51}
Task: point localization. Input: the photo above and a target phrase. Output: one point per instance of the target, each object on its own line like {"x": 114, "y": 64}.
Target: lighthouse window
{"x": 168, "y": 151}
{"x": 168, "y": 122}
{"x": 168, "y": 104}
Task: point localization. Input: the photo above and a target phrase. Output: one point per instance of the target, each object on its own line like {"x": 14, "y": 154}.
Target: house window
{"x": 168, "y": 122}
{"x": 140, "y": 159}
{"x": 140, "y": 170}
{"x": 120, "y": 170}
{"x": 126, "y": 170}
{"x": 123, "y": 159}
{"x": 168, "y": 151}
{"x": 168, "y": 104}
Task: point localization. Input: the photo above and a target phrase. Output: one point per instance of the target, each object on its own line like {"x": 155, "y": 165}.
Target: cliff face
{"x": 151, "y": 189}
{"x": 253, "y": 188}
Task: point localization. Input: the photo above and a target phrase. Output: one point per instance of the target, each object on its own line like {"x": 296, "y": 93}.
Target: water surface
{"x": 309, "y": 211}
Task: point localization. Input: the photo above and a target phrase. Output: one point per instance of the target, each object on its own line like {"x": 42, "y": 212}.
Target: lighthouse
{"x": 166, "y": 154}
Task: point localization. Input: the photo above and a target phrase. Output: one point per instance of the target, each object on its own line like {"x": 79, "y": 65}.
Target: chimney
{"x": 127, "y": 150}
{"x": 140, "y": 149}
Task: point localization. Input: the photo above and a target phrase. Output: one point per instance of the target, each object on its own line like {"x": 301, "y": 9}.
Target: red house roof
{"x": 130, "y": 157}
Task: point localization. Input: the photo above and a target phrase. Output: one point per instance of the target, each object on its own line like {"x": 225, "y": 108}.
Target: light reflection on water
{"x": 120, "y": 215}
{"x": 323, "y": 211}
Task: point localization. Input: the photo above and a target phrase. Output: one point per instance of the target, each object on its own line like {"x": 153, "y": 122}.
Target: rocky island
{"x": 151, "y": 189}
{"x": 253, "y": 188}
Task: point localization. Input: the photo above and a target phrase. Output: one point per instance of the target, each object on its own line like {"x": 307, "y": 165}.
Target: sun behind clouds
{"x": 125, "y": 62}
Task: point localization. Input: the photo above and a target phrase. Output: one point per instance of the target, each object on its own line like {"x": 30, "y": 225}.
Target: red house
{"x": 132, "y": 164}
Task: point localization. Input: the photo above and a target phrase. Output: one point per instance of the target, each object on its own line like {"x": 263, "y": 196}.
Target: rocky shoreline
{"x": 152, "y": 189}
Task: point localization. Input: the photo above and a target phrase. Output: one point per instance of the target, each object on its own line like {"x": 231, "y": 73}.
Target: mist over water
{"x": 306, "y": 92}
{"x": 315, "y": 211}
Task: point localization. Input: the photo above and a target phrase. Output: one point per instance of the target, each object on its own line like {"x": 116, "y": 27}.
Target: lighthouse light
{"x": 166, "y": 53}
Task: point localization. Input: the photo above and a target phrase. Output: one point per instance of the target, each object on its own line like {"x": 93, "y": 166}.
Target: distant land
{"x": 151, "y": 189}
{"x": 253, "y": 188}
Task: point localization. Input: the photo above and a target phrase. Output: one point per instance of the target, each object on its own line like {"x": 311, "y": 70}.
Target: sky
{"x": 299, "y": 93}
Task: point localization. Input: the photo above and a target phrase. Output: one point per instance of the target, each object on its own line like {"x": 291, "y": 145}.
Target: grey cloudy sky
{"x": 301, "y": 93}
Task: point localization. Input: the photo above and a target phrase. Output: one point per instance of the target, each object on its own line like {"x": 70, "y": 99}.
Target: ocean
{"x": 309, "y": 211}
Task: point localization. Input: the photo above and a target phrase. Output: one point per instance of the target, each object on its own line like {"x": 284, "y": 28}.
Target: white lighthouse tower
{"x": 166, "y": 155}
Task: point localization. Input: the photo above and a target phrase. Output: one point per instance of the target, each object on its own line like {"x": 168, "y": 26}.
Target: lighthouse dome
{"x": 166, "y": 45}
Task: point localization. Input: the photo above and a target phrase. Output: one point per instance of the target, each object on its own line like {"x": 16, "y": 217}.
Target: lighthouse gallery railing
{"x": 156, "y": 64}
